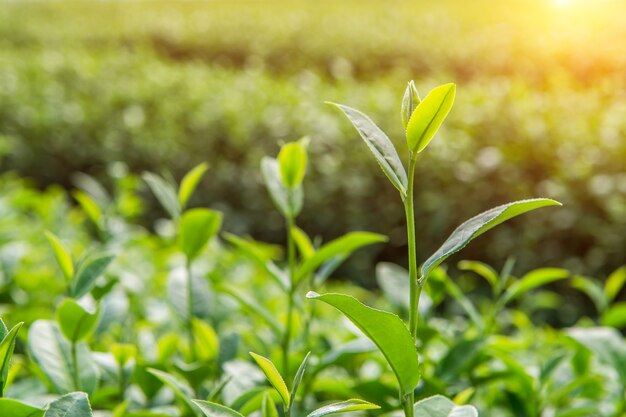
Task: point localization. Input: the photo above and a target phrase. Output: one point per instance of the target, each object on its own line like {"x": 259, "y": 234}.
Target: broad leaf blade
{"x": 380, "y": 145}
{"x": 386, "y": 330}
{"x": 478, "y": 225}
{"x": 211, "y": 409}
{"x": 273, "y": 376}
{"x": 342, "y": 246}
{"x": 64, "y": 259}
{"x": 190, "y": 182}
{"x": 14, "y": 408}
{"x": 7, "y": 344}
{"x": 88, "y": 272}
{"x": 164, "y": 192}
{"x": 439, "y": 406}
{"x": 76, "y": 323}
{"x": 75, "y": 404}
{"x": 197, "y": 226}
{"x": 428, "y": 117}
{"x": 343, "y": 407}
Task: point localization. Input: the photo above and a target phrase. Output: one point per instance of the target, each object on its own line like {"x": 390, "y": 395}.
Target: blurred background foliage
{"x": 114, "y": 88}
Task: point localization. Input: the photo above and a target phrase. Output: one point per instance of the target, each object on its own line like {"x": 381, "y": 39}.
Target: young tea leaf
{"x": 197, "y": 227}
{"x": 164, "y": 192}
{"x": 428, "y": 117}
{"x": 90, "y": 207}
{"x": 478, "y": 225}
{"x": 343, "y": 407}
{"x": 273, "y": 377}
{"x": 189, "y": 183}
{"x": 207, "y": 343}
{"x": 614, "y": 283}
{"x": 15, "y": 408}
{"x": 292, "y": 160}
{"x": 181, "y": 389}
{"x": 410, "y": 101}
{"x": 615, "y": 316}
{"x": 75, "y": 404}
{"x": 287, "y": 201}
{"x": 7, "y": 344}
{"x": 532, "y": 280}
{"x": 253, "y": 307}
{"x": 89, "y": 270}
{"x": 268, "y": 407}
{"x": 303, "y": 242}
{"x": 297, "y": 380}
{"x": 62, "y": 256}
{"x": 76, "y": 323}
{"x": 215, "y": 410}
{"x": 439, "y": 406}
{"x": 380, "y": 145}
{"x": 386, "y": 330}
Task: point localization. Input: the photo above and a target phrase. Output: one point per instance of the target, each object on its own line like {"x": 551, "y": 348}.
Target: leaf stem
{"x": 407, "y": 403}
{"x": 192, "y": 348}
{"x": 291, "y": 256}
{"x": 74, "y": 352}
{"x": 415, "y": 289}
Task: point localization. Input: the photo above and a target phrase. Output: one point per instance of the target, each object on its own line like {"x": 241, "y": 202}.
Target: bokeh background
{"x": 114, "y": 88}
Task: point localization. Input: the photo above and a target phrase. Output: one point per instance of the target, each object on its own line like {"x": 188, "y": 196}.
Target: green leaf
{"x": 76, "y": 323}
{"x": 297, "y": 380}
{"x": 88, "y": 272}
{"x": 273, "y": 377}
{"x": 380, "y": 145}
{"x": 178, "y": 295}
{"x": 123, "y": 352}
{"x": 394, "y": 281}
{"x": 268, "y": 407}
{"x": 206, "y": 340}
{"x": 439, "y": 406}
{"x": 614, "y": 283}
{"x": 305, "y": 246}
{"x": 197, "y": 227}
{"x": 253, "y": 306}
{"x": 7, "y": 345}
{"x": 607, "y": 343}
{"x": 593, "y": 290}
{"x": 343, "y": 407}
{"x": 189, "y": 183}
{"x": 428, "y": 117}
{"x": 180, "y": 388}
{"x": 342, "y": 246}
{"x": 62, "y": 256}
{"x": 90, "y": 207}
{"x": 483, "y": 270}
{"x": 287, "y": 201}
{"x": 164, "y": 192}
{"x": 532, "y": 280}
{"x": 53, "y": 354}
{"x": 292, "y": 160}
{"x": 75, "y": 404}
{"x": 615, "y": 316}
{"x": 387, "y": 331}
{"x": 216, "y": 410}
{"x": 478, "y": 225}
{"x": 410, "y": 101}
{"x": 14, "y": 408}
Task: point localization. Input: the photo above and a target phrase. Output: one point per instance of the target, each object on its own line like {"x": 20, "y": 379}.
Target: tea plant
{"x": 421, "y": 119}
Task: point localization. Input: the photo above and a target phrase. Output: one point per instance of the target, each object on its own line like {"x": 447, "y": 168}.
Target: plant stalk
{"x": 291, "y": 256}
{"x": 415, "y": 289}
{"x": 75, "y": 377}
{"x": 192, "y": 348}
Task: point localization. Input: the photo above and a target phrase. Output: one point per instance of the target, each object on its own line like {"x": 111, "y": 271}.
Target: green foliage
{"x": 87, "y": 272}
{"x": 197, "y": 227}
{"x": 189, "y": 183}
{"x": 273, "y": 376}
{"x": 439, "y": 406}
{"x": 292, "y": 160}
{"x": 7, "y": 344}
{"x": 75, "y": 321}
{"x": 75, "y": 404}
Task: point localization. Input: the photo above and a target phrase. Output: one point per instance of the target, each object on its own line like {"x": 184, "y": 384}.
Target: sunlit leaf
{"x": 287, "y": 201}
{"x": 75, "y": 321}
{"x": 380, "y": 145}
{"x": 298, "y": 379}
{"x": 75, "y": 404}
{"x": 90, "y": 207}
{"x": 386, "y": 330}
{"x": 64, "y": 259}
{"x": 292, "y": 160}
{"x": 189, "y": 183}
{"x": 164, "y": 192}
{"x": 615, "y": 282}
{"x": 88, "y": 271}
{"x": 532, "y": 280}
{"x": 343, "y": 407}
{"x": 478, "y": 225}
{"x": 7, "y": 345}
{"x": 268, "y": 407}
{"x": 197, "y": 226}
{"x": 410, "y": 101}
{"x": 439, "y": 406}
{"x": 273, "y": 376}
{"x": 181, "y": 389}
{"x": 615, "y": 316}
{"x": 211, "y": 409}
{"x": 15, "y": 408}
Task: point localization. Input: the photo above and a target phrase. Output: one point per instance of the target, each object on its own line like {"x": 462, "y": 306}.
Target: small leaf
{"x": 297, "y": 380}
{"x": 89, "y": 206}
{"x": 615, "y": 282}
{"x": 268, "y": 407}
{"x": 386, "y": 330}
{"x": 7, "y": 345}
{"x": 62, "y": 256}
{"x": 206, "y": 340}
{"x": 410, "y": 101}
{"x": 287, "y": 201}
{"x": 197, "y": 227}
{"x": 14, "y": 408}
{"x": 305, "y": 246}
{"x": 439, "y": 406}
{"x": 428, "y": 117}
{"x": 123, "y": 352}
{"x": 615, "y": 316}
{"x": 76, "y": 323}
{"x": 52, "y": 353}
{"x": 532, "y": 280}
{"x": 178, "y": 295}
{"x": 164, "y": 192}
{"x": 75, "y": 404}
{"x": 593, "y": 290}
{"x": 273, "y": 377}
{"x": 607, "y": 343}
{"x": 215, "y": 410}
{"x": 380, "y": 145}
{"x": 342, "y": 246}
{"x": 394, "y": 281}
{"x": 292, "y": 160}
{"x": 190, "y": 182}
{"x": 180, "y": 388}
{"x": 478, "y": 225}
{"x": 343, "y": 407}
{"x": 88, "y": 272}
{"x": 483, "y": 270}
